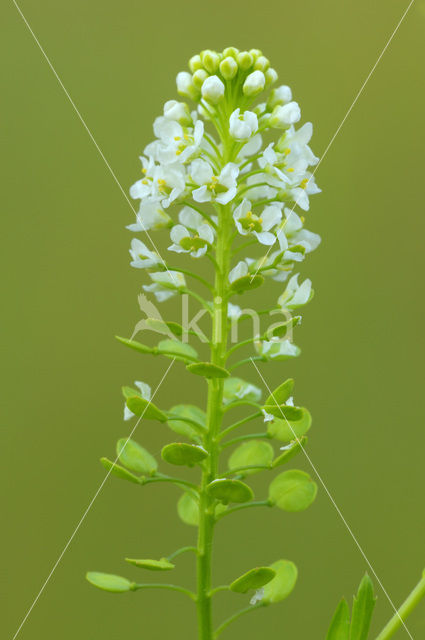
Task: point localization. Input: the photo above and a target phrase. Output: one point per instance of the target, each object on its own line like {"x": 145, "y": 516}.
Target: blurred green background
{"x": 68, "y": 288}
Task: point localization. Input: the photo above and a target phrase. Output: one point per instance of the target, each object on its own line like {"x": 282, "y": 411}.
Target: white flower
{"x": 220, "y": 188}
{"x": 254, "y": 83}
{"x": 268, "y": 417}
{"x": 150, "y": 216}
{"x": 234, "y": 312}
{"x": 247, "y": 222}
{"x": 169, "y": 183}
{"x": 257, "y": 597}
{"x": 280, "y": 95}
{"x": 196, "y": 244}
{"x": 242, "y": 125}
{"x": 300, "y": 193}
{"x": 291, "y": 233}
{"x": 285, "y": 115}
{"x": 295, "y": 295}
{"x": 212, "y": 89}
{"x": 179, "y": 111}
{"x": 277, "y": 349}
{"x": 145, "y": 392}
{"x": 262, "y": 192}
{"x": 165, "y": 284}
{"x": 185, "y": 86}
{"x": 175, "y": 143}
{"x": 294, "y": 145}
{"x": 143, "y": 258}
{"x": 240, "y": 271}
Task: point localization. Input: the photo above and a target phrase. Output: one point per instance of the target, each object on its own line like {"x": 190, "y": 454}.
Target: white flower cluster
{"x": 214, "y": 156}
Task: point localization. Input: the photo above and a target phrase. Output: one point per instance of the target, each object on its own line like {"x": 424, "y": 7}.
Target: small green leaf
{"x": 340, "y": 625}
{"x": 282, "y": 584}
{"x": 181, "y": 453}
{"x": 161, "y": 326}
{"x": 133, "y": 344}
{"x": 236, "y": 389}
{"x": 188, "y": 509}
{"x": 227, "y": 490}
{"x": 246, "y": 283}
{"x": 363, "y": 606}
{"x": 187, "y": 429}
{"x": 252, "y": 453}
{"x": 293, "y": 449}
{"x": 284, "y": 411}
{"x": 287, "y": 430}
{"x": 281, "y": 394}
{"x": 109, "y": 582}
{"x": 280, "y": 330}
{"x": 119, "y": 471}
{"x": 253, "y": 579}
{"x": 292, "y": 490}
{"x": 152, "y": 565}
{"x": 135, "y": 457}
{"x": 207, "y": 370}
{"x": 177, "y": 349}
{"x": 144, "y": 408}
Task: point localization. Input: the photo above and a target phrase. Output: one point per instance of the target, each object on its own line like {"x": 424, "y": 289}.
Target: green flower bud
{"x": 244, "y": 60}
{"x": 261, "y": 63}
{"x": 199, "y": 78}
{"x": 195, "y": 63}
{"x": 254, "y": 83}
{"x": 210, "y": 60}
{"x": 230, "y": 51}
{"x": 213, "y": 90}
{"x": 228, "y": 68}
{"x": 256, "y": 53}
{"x": 271, "y": 76}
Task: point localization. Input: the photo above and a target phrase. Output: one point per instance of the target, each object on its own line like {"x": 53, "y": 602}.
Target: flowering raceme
{"x": 227, "y": 174}
{"x": 262, "y": 184}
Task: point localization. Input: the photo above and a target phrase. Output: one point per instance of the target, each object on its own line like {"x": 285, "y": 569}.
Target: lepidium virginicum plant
{"x": 232, "y": 175}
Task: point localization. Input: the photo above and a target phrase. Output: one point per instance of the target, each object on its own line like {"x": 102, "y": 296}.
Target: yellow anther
{"x": 177, "y": 138}
{"x": 145, "y": 181}
{"x": 260, "y": 220}
{"x": 144, "y": 170}
{"x": 290, "y": 170}
{"x": 303, "y": 183}
{"x": 286, "y": 152}
{"x": 161, "y": 182}
{"x": 178, "y": 152}
{"x": 186, "y": 136}
{"x": 249, "y": 214}
{"x": 302, "y": 218}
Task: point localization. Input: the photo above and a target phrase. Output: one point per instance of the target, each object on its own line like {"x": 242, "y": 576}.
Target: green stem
{"x": 245, "y": 505}
{"x": 214, "y": 418}
{"x": 170, "y": 587}
{"x": 405, "y": 610}
{"x": 249, "y": 436}
{"x": 191, "y": 275}
{"x": 250, "y": 467}
{"x": 239, "y": 423}
{"x": 179, "y": 552}
{"x": 235, "y": 616}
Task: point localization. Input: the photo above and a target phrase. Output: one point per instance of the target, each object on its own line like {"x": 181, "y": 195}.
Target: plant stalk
{"x": 214, "y": 420}
{"x": 404, "y": 611}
